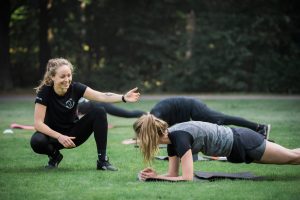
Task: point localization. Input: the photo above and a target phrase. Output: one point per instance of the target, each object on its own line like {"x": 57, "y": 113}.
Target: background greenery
{"x": 159, "y": 46}
{"x": 22, "y": 175}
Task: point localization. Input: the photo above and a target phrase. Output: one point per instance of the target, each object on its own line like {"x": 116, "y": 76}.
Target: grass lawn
{"x": 22, "y": 175}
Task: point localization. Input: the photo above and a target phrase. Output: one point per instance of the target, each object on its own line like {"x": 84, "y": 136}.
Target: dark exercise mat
{"x": 221, "y": 175}
{"x": 212, "y": 176}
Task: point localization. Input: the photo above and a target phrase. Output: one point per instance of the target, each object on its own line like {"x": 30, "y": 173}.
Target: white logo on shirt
{"x": 39, "y": 98}
{"x": 70, "y": 103}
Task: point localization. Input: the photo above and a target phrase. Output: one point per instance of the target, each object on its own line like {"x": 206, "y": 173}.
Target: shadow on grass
{"x": 283, "y": 178}
{"x": 43, "y": 169}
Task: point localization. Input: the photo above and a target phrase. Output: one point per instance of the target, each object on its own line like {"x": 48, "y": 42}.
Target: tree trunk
{"x": 44, "y": 53}
{"x": 190, "y": 29}
{"x": 6, "y": 82}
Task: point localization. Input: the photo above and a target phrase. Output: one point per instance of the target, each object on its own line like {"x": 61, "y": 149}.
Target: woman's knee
{"x": 295, "y": 157}
{"x": 99, "y": 112}
{"x": 38, "y": 142}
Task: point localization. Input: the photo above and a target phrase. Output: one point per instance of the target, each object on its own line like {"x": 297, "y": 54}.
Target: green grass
{"x": 22, "y": 175}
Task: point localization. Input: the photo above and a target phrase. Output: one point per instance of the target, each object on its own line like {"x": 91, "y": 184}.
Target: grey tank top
{"x": 210, "y": 139}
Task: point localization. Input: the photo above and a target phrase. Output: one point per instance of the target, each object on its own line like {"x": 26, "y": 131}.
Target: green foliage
{"x": 24, "y": 46}
{"x": 251, "y": 46}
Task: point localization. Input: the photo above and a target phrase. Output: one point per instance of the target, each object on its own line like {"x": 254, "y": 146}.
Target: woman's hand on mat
{"x": 148, "y": 173}
{"x": 66, "y": 141}
{"x": 132, "y": 95}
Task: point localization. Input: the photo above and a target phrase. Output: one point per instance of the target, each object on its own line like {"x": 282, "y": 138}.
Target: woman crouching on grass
{"x": 56, "y": 120}
{"x": 185, "y": 139}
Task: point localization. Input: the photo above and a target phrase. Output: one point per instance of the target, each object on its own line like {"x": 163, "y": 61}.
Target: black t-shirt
{"x": 181, "y": 142}
{"x": 61, "y": 110}
{"x": 174, "y": 110}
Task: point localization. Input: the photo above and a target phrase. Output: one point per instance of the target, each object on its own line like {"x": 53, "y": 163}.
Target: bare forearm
{"x": 172, "y": 178}
{"x": 43, "y": 128}
{"x": 107, "y": 97}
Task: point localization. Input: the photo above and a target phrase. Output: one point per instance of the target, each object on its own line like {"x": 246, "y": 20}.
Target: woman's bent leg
{"x": 201, "y": 112}
{"x": 276, "y": 154}
{"x": 95, "y": 121}
{"x": 118, "y": 111}
{"x": 43, "y": 144}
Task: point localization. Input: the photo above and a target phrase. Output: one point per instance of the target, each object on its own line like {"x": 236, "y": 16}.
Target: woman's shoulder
{"x": 190, "y": 126}
{"x": 45, "y": 89}
{"x": 43, "y": 94}
{"x": 78, "y": 84}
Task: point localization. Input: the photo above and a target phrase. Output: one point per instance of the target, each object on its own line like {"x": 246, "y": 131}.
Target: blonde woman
{"x": 55, "y": 120}
{"x": 184, "y": 139}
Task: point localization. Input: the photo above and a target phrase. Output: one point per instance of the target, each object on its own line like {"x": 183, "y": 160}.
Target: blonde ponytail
{"x": 148, "y": 130}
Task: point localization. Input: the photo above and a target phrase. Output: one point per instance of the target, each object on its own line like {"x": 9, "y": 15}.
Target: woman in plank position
{"x": 239, "y": 145}
{"x": 175, "y": 110}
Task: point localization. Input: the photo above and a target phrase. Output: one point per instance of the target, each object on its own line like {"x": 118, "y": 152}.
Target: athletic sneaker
{"x": 105, "y": 165}
{"x": 265, "y": 130}
{"x": 54, "y": 161}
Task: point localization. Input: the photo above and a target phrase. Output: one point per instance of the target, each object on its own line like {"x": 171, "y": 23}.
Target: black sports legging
{"x": 86, "y": 106}
{"x": 94, "y": 121}
{"x": 201, "y": 112}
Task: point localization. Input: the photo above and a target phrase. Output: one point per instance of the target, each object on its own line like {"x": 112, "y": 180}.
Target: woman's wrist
{"x": 123, "y": 99}
{"x": 58, "y": 137}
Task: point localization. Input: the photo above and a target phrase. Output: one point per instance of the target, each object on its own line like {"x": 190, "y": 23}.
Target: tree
{"x": 44, "y": 50}
{"x": 5, "y": 77}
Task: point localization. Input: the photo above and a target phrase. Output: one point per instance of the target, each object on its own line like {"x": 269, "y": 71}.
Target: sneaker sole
{"x": 268, "y": 131}
{"x": 106, "y": 169}
{"x": 56, "y": 166}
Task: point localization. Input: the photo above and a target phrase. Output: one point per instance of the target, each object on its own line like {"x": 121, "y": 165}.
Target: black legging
{"x": 201, "y": 112}
{"x": 86, "y": 106}
{"x": 94, "y": 121}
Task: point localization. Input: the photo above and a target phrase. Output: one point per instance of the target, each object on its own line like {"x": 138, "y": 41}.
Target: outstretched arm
{"x": 130, "y": 96}
{"x": 173, "y": 172}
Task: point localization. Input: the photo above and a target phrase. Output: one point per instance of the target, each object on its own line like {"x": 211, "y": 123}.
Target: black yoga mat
{"x": 221, "y": 175}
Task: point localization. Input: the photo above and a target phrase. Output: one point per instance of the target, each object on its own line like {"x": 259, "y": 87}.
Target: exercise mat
{"x": 221, "y": 175}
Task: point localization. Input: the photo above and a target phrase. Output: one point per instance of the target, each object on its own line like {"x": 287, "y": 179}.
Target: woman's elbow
{"x": 37, "y": 125}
